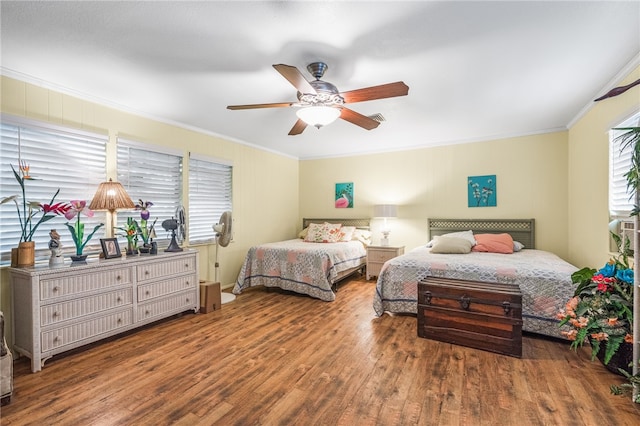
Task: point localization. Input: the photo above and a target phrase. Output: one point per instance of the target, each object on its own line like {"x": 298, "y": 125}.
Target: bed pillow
{"x": 347, "y": 233}
{"x": 450, "y": 245}
{"x": 362, "y": 235}
{"x": 517, "y": 246}
{"x": 323, "y": 233}
{"x": 467, "y": 235}
{"x": 303, "y": 233}
{"x": 494, "y": 243}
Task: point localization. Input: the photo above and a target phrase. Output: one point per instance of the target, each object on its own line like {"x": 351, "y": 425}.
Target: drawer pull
{"x": 55, "y": 289}
{"x": 146, "y": 293}
{"x": 56, "y": 339}
{"x": 187, "y": 300}
{"x": 119, "y": 299}
{"x": 146, "y": 312}
{"x": 507, "y": 307}
{"x": 118, "y": 278}
{"x": 55, "y": 314}
{"x": 146, "y": 272}
{"x": 119, "y": 320}
{"x": 186, "y": 284}
{"x": 186, "y": 265}
{"x": 427, "y": 297}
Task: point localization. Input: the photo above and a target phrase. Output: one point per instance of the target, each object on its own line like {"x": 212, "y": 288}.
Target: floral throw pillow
{"x": 324, "y": 233}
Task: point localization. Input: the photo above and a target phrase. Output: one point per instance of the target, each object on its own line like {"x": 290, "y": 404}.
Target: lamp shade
{"x": 111, "y": 196}
{"x": 385, "y": 210}
{"x": 318, "y": 115}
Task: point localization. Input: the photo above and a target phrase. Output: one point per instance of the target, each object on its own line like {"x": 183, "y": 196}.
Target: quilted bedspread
{"x": 544, "y": 280}
{"x": 296, "y": 265}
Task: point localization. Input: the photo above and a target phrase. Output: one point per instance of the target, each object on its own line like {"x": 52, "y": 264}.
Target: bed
{"x": 543, "y": 277}
{"x": 309, "y": 268}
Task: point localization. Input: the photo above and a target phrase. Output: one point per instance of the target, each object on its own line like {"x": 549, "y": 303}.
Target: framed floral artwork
{"x": 344, "y": 195}
{"x": 482, "y": 191}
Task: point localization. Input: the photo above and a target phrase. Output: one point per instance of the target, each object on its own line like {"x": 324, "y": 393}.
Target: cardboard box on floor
{"x": 210, "y": 297}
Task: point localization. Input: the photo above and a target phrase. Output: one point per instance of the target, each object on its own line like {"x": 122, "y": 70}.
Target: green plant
{"x": 627, "y": 388}
{"x": 77, "y": 229}
{"x": 601, "y": 309}
{"x": 28, "y": 211}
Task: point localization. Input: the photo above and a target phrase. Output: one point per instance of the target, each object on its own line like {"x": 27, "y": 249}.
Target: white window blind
{"x": 620, "y": 203}
{"x": 152, "y": 174}
{"x": 210, "y": 194}
{"x": 58, "y": 158}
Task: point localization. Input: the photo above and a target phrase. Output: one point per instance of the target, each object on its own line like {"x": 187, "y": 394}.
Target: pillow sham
{"x": 494, "y": 243}
{"x": 450, "y": 245}
{"x": 347, "y": 233}
{"x": 303, "y": 233}
{"x": 323, "y": 233}
{"x": 467, "y": 235}
{"x": 362, "y": 235}
{"x": 517, "y": 246}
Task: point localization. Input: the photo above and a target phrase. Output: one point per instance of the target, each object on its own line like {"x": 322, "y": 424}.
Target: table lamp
{"x": 111, "y": 196}
{"x": 385, "y": 211}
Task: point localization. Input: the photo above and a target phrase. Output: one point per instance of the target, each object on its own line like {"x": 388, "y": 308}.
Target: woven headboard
{"x": 522, "y": 230}
{"x": 358, "y": 223}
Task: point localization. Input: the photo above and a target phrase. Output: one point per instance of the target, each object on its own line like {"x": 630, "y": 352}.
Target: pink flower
{"x": 78, "y": 207}
{"x": 342, "y": 202}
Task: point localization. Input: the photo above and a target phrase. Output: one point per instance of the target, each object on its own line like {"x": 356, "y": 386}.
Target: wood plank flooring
{"x": 270, "y": 358}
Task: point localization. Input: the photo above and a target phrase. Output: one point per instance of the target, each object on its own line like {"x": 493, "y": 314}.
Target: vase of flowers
{"x": 601, "y": 312}
{"x": 145, "y": 231}
{"x": 131, "y": 234}
{"x": 79, "y": 207}
{"x": 31, "y": 214}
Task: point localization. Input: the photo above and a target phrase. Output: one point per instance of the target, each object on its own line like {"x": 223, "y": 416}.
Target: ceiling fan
{"x": 321, "y": 103}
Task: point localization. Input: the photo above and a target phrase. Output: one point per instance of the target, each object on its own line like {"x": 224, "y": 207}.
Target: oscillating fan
{"x": 222, "y": 231}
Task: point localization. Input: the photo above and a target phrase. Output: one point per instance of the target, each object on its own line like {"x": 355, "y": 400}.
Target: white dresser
{"x": 62, "y": 308}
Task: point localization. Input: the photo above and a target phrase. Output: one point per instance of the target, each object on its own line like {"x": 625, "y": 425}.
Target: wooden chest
{"x": 480, "y": 315}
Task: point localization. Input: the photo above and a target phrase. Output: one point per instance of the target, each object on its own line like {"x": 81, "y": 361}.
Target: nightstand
{"x": 377, "y": 255}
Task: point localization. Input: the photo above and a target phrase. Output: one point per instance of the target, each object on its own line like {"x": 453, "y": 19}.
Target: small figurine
{"x": 56, "y": 249}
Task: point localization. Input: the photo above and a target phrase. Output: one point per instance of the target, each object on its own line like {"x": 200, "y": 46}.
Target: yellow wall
{"x": 588, "y": 177}
{"x": 262, "y": 210}
{"x": 531, "y": 179}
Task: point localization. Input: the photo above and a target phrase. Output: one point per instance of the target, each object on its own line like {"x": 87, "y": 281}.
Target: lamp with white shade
{"x": 385, "y": 211}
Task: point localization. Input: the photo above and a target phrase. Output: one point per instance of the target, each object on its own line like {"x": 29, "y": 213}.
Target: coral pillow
{"x": 494, "y": 243}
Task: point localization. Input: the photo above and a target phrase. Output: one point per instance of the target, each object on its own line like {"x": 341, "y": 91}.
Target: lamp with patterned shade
{"x": 111, "y": 196}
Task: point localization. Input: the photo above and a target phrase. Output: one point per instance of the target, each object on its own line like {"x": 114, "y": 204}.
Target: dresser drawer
{"x": 58, "y": 312}
{"x": 150, "y": 271}
{"x": 162, "y": 288}
{"x": 67, "y": 285}
{"x": 158, "y": 308}
{"x": 75, "y": 333}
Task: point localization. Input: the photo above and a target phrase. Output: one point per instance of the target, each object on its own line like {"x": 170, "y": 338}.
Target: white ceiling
{"x": 476, "y": 70}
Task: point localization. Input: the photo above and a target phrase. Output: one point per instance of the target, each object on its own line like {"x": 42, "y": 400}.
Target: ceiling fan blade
{"x": 617, "y": 91}
{"x": 298, "y": 128}
{"x": 382, "y": 91}
{"x": 358, "y": 119}
{"x": 295, "y": 77}
{"x": 275, "y": 105}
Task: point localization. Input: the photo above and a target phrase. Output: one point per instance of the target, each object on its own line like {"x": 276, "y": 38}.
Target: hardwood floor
{"x": 279, "y": 359}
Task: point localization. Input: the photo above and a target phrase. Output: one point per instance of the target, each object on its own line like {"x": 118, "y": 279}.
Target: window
{"x": 209, "y": 196}
{"x": 620, "y": 203}
{"x": 154, "y": 174}
{"x": 58, "y": 158}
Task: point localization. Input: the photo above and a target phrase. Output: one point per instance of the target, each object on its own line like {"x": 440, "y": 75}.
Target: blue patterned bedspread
{"x": 544, "y": 280}
{"x": 295, "y": 265}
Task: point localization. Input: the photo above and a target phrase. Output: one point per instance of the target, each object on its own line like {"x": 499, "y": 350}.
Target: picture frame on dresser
{"x": 110, "y": 248}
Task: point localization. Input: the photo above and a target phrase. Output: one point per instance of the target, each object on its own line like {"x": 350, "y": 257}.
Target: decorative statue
{"x": 56, "y": 249}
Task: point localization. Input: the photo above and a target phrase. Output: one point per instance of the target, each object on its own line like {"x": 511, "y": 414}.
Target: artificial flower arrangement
{"x": 77, "y": 208}
{"x": 146, "y": 232}
{"x": 130, "y": 231}
{"x": 32, "y": 214}
{"x": 601, "y": 309}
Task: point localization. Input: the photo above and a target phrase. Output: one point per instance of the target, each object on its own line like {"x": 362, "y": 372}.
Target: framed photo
{"x": 110, "y": 248}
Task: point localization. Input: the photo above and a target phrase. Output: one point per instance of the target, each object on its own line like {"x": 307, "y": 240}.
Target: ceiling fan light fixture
{"x": 318, "y": 115}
